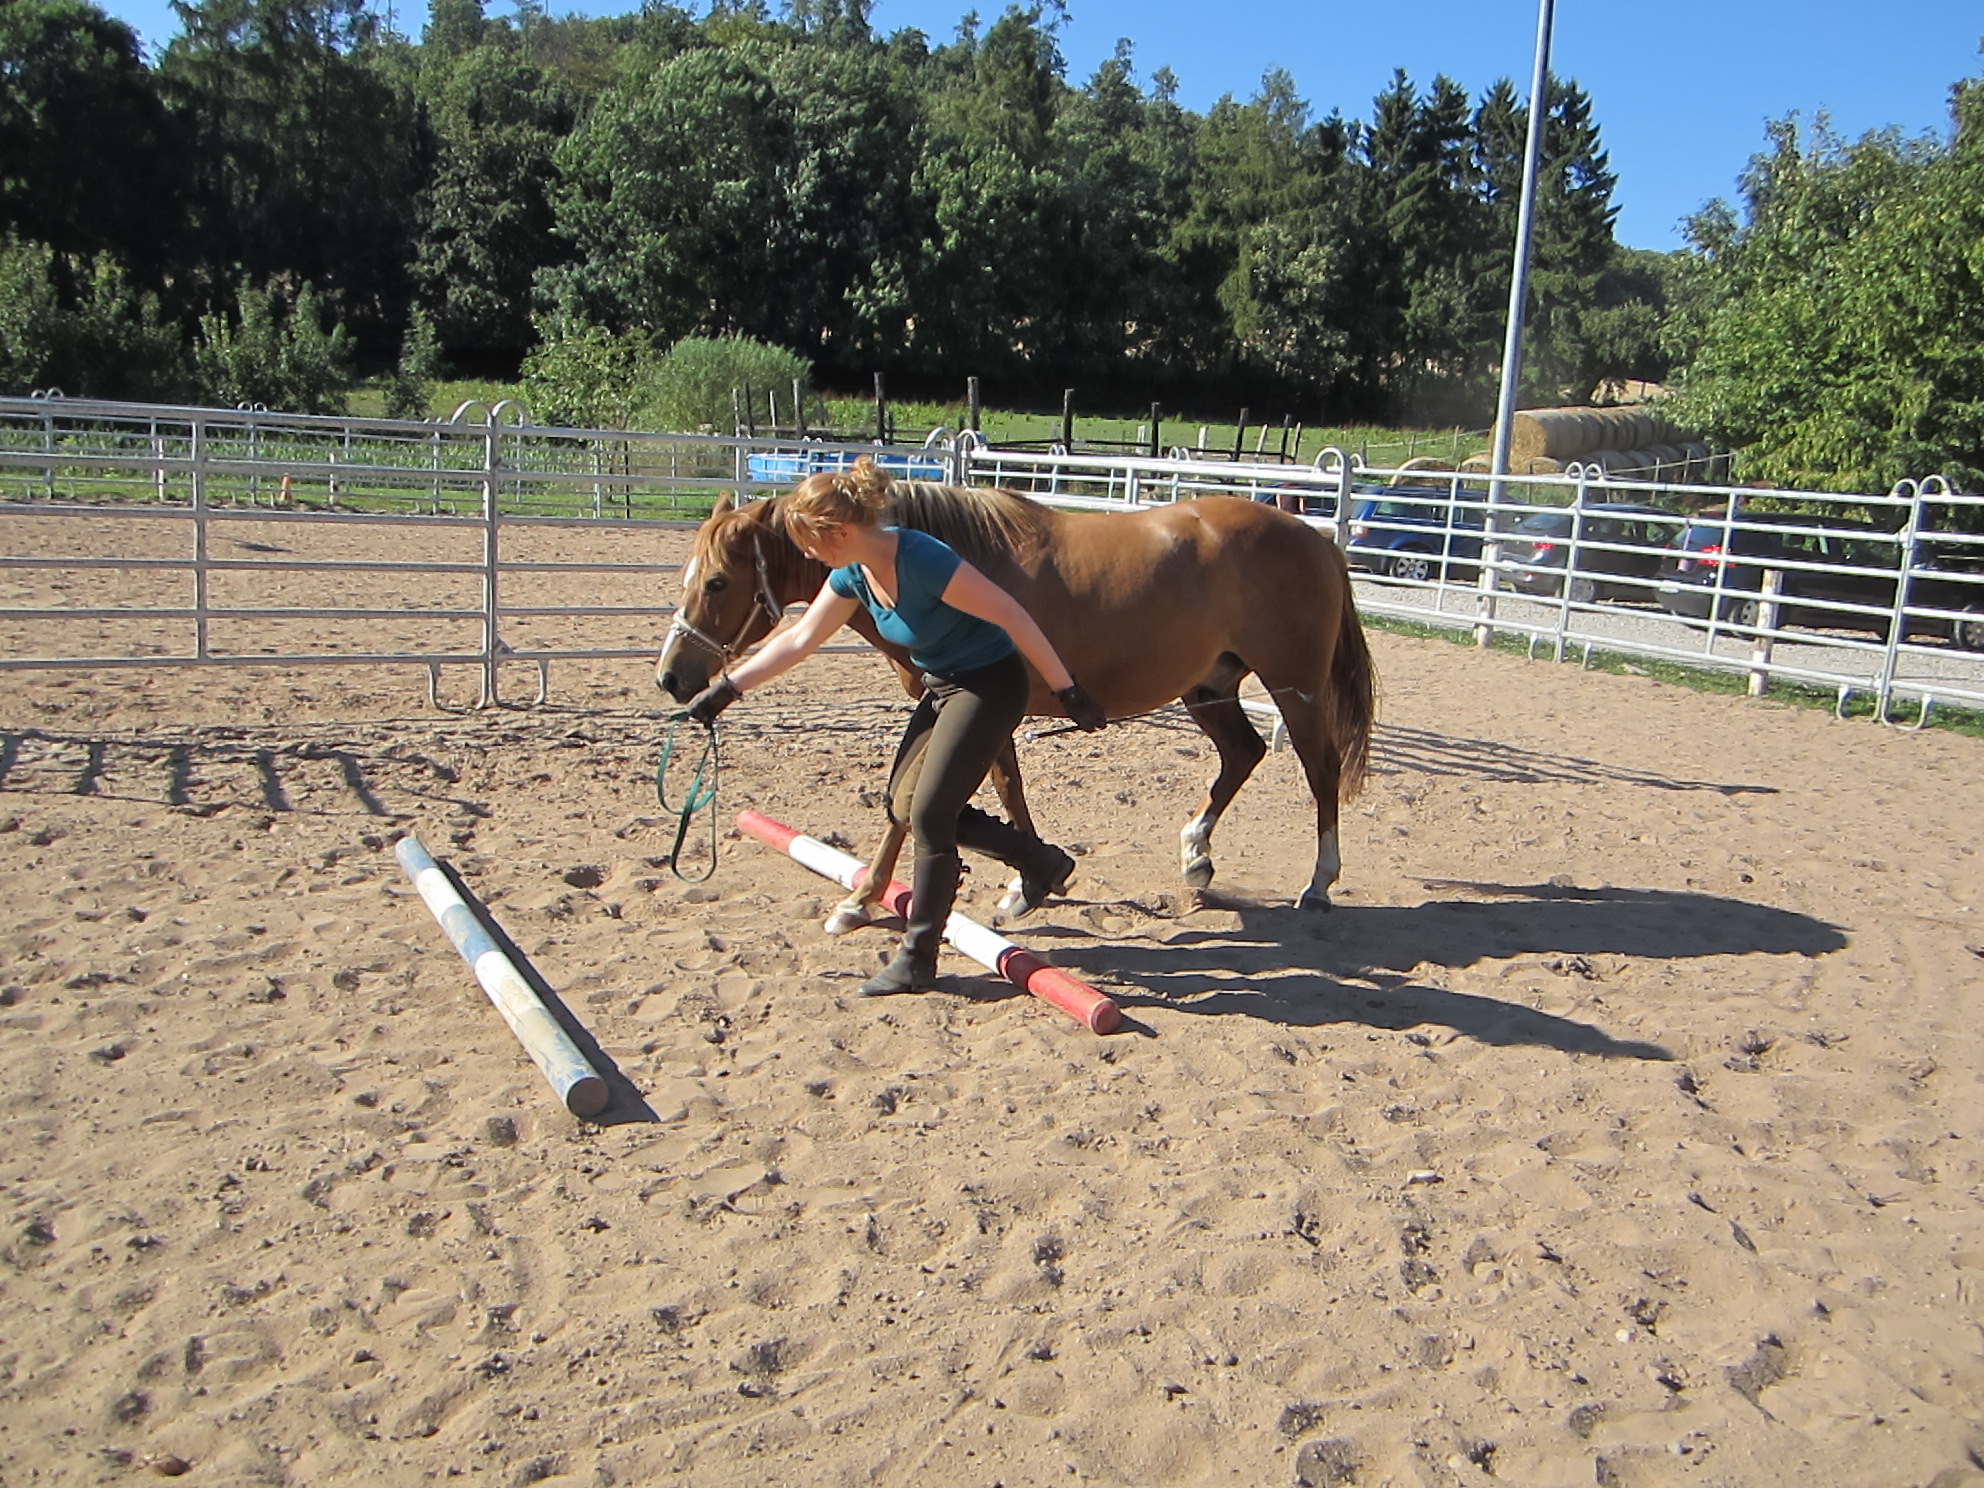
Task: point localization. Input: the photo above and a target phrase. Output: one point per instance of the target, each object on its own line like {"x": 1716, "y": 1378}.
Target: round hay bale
{"x": 1477, "y": 465}
{"x": 1553, "y": 433}
{"x": 1600, "y": 430}
{"x": 1424, "y": 462}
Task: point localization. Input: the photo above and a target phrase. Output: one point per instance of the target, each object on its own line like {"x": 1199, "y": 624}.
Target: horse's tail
{"x": 1353, "y": 691}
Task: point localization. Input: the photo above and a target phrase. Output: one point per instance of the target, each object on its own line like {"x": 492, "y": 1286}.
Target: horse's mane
{"x": 983, "y": 525}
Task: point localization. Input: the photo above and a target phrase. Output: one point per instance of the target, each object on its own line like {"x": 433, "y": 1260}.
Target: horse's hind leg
{"x": 1215, "y": 707}
{"x": 1322, "y": 762}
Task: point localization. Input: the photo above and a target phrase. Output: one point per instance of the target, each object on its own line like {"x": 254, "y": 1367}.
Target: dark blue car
{"x": 1413, "y": 532}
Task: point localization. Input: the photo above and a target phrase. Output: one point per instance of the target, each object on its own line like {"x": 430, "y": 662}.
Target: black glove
{"x": 712, "y": 700}
{"x": 1084, "y": 710}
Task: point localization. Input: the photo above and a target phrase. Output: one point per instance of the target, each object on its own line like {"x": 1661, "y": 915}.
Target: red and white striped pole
{"x": 1017, "y": 965}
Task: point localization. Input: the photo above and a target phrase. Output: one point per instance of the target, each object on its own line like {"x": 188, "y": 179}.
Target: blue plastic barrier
{"x": 788, "y": 468}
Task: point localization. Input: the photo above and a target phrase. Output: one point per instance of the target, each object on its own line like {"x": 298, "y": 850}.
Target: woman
{"x": 968, "y": 636}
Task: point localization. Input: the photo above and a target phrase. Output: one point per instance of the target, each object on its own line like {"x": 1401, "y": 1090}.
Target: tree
{"x": 1831, "y": 335}
{"x": 487, "y": 220}
{"x": 81, "y": 164}
{"x": 762, "y": 189}
{"x": 306, "y": 158}
{"x": 1571, "y": 249}
{"x": 104, "y": 339}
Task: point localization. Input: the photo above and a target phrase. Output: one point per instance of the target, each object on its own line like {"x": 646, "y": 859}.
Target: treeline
{"x": 290, "y": 192}
{"x": 1833, "y": 329}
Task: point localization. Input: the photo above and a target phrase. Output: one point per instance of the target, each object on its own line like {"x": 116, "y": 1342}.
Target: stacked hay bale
{"x": 1631, "y": 443}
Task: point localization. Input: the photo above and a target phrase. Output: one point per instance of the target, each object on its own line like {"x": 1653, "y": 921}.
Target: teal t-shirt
{"x": 941, "y": 638}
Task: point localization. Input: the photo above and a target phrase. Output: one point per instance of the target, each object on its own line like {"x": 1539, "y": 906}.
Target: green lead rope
{"x": 698, "y": 797}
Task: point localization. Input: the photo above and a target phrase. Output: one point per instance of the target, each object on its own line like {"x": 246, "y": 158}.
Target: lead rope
{"x": 698, "y": 797}
{"x": 1075, "y": 728}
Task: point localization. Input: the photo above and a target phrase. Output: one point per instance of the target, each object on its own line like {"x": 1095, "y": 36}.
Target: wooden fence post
{"x": 1068, "y": 420}
{"x": 881, "y": 411}
{"x": 971, "y": 399}
{"x": 1240, "y": 433}
{"x": 1155, "y": 444}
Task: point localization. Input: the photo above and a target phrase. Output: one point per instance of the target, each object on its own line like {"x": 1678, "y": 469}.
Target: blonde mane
{"x": 983, "y": 525}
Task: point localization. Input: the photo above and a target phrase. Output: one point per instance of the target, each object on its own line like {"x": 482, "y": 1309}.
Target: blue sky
{"x": 1681, "y": 91}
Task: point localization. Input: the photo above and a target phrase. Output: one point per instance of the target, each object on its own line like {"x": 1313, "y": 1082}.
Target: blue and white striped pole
{"x": 578, "y": 1084}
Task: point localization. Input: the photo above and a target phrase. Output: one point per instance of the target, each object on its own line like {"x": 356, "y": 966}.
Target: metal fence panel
{"x": 455, "y": 505}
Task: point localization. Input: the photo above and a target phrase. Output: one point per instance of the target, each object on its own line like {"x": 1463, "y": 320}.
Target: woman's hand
{"x": 712, "y": 700}
{"x": 1084, "y": 710}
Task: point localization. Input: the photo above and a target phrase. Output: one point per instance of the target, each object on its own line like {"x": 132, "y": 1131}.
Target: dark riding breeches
{"x": 954, "y": 735}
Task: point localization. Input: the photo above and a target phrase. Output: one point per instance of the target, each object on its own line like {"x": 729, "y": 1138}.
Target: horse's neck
{"x": 794, "y": 576}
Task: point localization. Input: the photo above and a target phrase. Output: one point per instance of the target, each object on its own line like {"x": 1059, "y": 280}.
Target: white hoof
{"x": 1011, "y": 904}
{"x": 849, "y": 915}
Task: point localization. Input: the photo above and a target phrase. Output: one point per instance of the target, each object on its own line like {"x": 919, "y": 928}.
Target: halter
{"x": 763, "y": 602}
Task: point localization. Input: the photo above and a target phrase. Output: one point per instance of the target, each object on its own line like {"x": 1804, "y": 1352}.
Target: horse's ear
{"x": 724, "y": 504}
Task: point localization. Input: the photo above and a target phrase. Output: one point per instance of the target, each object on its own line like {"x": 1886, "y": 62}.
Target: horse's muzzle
{"x": 680, "y": 675}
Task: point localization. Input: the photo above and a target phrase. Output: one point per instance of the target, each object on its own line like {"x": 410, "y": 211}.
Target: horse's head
{"x": 730, "y": 597}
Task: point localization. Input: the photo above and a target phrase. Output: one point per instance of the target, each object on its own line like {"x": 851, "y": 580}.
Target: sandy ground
{"x": 1620, "y": 1126}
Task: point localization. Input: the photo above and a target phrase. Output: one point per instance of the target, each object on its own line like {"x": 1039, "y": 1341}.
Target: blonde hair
{"x": 844, "y": 498}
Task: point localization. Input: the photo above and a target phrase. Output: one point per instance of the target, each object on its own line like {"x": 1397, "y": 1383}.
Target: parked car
{"x": 1412, "y": 532}
{"x": 1619, "y": 548}
{"x": 1841, "y": 561}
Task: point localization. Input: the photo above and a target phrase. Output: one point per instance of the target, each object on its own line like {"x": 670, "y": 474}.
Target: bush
{"x": 112, "y": 342}
{"x": 689, "y": 389}
{"x": 28, "y": 315}
{"x": 280, "y": 361}
{"x": 582, "y": 376}
{"x": 420, "y": 364}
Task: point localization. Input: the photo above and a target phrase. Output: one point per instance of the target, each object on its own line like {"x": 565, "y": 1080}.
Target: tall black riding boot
{"x": 933, "y": 886}
{"x": 1044, "y": 869}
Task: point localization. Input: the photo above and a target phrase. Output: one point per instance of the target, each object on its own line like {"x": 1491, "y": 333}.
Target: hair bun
{"x": 868, "y": 484}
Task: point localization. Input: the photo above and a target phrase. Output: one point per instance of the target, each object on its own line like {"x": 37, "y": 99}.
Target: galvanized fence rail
{"x": 490, "y": 479}
{"x": 487, "y": 479}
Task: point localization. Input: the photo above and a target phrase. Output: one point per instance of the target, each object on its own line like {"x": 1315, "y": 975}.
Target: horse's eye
{"x": 715, "y": 584}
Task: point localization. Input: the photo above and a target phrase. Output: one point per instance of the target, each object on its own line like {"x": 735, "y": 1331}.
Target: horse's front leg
{"x": 858, "y": 908}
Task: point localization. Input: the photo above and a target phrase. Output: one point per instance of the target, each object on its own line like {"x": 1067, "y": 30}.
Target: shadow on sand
{"x": 1300, "y": 969}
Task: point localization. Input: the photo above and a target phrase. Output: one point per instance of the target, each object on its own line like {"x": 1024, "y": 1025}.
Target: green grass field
{"x": 1381, "y": 447}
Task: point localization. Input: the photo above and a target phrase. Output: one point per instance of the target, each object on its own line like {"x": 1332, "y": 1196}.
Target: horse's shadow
{"x": 1300, "y": 969}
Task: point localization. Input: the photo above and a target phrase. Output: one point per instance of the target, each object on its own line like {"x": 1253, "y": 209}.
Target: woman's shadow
{"x": 1297, "y": 968}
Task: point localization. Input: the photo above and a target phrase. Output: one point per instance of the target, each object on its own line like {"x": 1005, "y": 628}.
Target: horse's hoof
{"x": 1028, "y": 892}
{"x": 844, "y": 919}
{"x": 1314, "y": 899}
{"x": 1198, "y": 873}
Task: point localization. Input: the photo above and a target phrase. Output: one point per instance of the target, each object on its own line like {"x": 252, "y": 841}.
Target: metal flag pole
{"x": 1505, "y": 407}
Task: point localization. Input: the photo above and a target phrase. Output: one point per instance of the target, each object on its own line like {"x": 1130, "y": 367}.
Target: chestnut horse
{"x": 1175, "y": 603}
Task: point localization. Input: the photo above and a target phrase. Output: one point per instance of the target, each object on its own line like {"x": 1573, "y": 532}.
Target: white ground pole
{"x": 578, "y": 1084}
